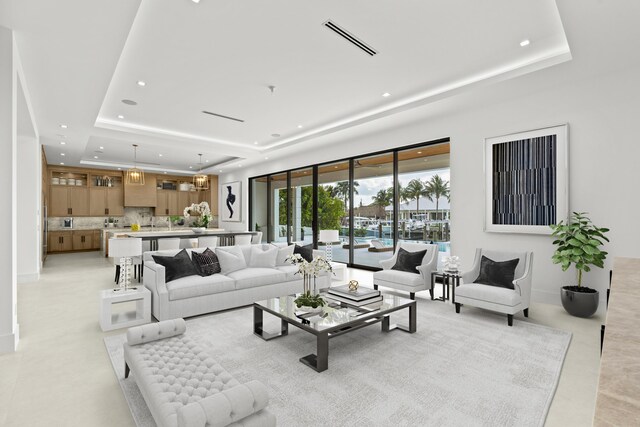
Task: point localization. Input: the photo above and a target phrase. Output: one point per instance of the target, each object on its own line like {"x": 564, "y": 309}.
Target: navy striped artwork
{"x": 524, "y": 181}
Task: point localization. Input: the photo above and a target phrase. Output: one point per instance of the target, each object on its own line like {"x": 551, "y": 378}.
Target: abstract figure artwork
{"x": 231, "y": 195}
{"x": 526, "y": 177}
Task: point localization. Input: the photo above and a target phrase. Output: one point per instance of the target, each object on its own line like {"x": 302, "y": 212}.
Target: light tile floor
{"x": 62, "y": 376}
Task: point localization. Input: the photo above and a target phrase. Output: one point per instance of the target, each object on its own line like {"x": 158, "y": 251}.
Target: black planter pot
{"x": 580, "y": 301}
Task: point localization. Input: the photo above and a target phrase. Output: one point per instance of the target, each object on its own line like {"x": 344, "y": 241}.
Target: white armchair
{"x": 502, "y": 300}
{"x": 406, "y": 281}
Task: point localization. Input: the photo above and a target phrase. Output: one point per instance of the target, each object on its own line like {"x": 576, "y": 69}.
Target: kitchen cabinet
{"x": 96, "y": 240}
{"x": 141, "y": 195}
{"x": 68, "y": 201}
{"x": 60, "y": 241}
{"x": 82, "y": 240}
{"x": 106, "y": 201}
{"x": 167, "y": 203}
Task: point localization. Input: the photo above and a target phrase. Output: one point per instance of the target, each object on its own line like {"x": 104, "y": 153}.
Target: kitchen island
{"x": 225, "y": 238}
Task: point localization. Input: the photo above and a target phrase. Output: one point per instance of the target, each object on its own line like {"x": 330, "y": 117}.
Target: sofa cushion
{"x": 305, "y": 252}
{"x": 408, "y": 261}
{"x": 396, "y": 276}
{"x": 491, "y": 294}
{"x": 263, "y": 256}
{"x": 206, "y": 263}
{"x": 195, "y": 286}
{"x": 284, "y": 253}
{"x": 176, "y": 266}
{"x": 497, "y": 273}
{"x": 231, "y": 258}
{"x": 250, "y": 277}
{"x": 290, "y": 271}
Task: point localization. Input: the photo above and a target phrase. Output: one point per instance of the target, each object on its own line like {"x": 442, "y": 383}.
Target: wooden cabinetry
{"x": 76, "y": 240}
{"x": 60, "y": 241}
{"x": 141, "y": 195}
{"x": 106, "y": 201}
{"x": 68, "y": 201}
{"x": 82, "y": 240}
{"x": 170, "y": 200}
{"x": 167, "y": 203}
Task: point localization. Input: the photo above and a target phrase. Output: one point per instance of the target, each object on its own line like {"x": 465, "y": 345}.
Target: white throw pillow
{"x": 263, "y": 256}
{"x": 231, "y": 259}
{"x": 283, "y": 254}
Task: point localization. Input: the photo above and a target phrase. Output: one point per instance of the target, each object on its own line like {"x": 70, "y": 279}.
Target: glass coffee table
{"x": 336, "y": 320}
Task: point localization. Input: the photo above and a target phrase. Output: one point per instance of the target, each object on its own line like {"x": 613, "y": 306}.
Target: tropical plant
{"x": 360, "y": 232}
{"x": 384, "y": 198}
{"x": 437, "y": 188}
{"x": 414, "y": 190}
{"x": 307, "y": 299}
{"x": 341, "y": 189}
{"x": 578, "y": 243}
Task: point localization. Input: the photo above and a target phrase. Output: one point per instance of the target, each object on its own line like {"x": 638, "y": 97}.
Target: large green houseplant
{"x": 579, "y": 243}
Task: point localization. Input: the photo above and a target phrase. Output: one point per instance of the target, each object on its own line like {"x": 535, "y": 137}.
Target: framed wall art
{"x": 231, "y": 201}
{"x": 526, "y": 180}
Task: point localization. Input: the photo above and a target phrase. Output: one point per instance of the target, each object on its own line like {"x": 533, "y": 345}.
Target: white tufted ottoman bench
{"x": 183, "y": 386}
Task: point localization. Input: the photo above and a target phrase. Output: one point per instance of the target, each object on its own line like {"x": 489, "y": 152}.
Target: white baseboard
{"x": 26, "y": 278}
{"x": 546, "y": 297}
{"x": 9, "y": 343}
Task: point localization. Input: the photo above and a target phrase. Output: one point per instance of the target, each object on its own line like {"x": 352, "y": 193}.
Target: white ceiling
{"x": 82, "y": 58}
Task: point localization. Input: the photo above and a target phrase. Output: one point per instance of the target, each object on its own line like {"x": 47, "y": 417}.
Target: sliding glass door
{"x": 373, "y": 201}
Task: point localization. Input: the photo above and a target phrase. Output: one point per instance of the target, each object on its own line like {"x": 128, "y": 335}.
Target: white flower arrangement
{"x": 313, "y": 268}
{"x": 198, "y": 209}
{"x": 451, "y": 263}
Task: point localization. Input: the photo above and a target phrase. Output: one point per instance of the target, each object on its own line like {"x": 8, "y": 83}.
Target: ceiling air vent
{"x": 350, "y": 38}
{"x": 223, "y": 116}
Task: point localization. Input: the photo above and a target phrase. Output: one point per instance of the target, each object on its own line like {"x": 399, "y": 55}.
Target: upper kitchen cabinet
{"x": 106, "y": 195}
{"x": 142, "y": 196}
{"x": 68, "y": 194}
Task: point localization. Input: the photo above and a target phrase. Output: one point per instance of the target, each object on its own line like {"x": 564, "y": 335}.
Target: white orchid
{"x": 198, "y": 209}
{"x": 452, "y": 263}
{"x": 313, "y": 268}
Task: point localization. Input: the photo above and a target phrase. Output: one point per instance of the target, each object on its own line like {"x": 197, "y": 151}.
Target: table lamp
{"x": 125, "y": 248}
{"x": 328, "y": 237}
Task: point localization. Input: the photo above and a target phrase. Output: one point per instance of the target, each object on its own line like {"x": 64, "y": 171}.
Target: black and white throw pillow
{"x": 206, "y": 263}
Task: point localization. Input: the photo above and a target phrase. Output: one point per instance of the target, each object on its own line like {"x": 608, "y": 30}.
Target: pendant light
{"x": 200, "y": 180}
{"x": 135, "y": 176}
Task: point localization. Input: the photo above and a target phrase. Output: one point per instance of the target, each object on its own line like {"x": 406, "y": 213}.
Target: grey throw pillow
{"x": 497, "y": 273}
{"x": 176, "y": 266}
{"x": 408, "y": 261}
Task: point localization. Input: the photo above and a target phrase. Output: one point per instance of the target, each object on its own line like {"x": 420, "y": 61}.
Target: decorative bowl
{"x": 198, "y": 230}
{"x": 308, "y": 309}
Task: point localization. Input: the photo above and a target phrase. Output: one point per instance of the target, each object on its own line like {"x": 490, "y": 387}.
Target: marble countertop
{"x": 618, "y": 398}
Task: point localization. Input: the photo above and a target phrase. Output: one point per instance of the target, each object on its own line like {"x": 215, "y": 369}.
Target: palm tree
{"x": 341, "y": 189}
{"x": 383, "y": 198}
{"x": 437, "y": 187}
{"x": 414, "y": 190}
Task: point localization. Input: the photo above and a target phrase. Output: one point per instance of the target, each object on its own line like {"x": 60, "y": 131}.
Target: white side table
{"x": 109, "y": 298}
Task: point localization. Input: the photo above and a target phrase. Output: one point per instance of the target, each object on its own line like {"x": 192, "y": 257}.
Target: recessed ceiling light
{"x": 95, "y": 157}
{"x": 61, "y": 135}
{"x": 62, "y": 154}
{"x": 63, "y": 126}
{"x": 266, "y": 158}
{"x": 386, "y": 94}
{"x": 129, "y": 102}
{"x": 120, "y": 116}
{"x": 299, "y": 126}
{"x": 525, "y": 42}
{"x": 335, "y": 167}
{"x": 62, "y": 163}
{"x": 190, "y": 167}
{"x": 141, "y": 83}
{"x": 239, "y": 166}
{"x": 159, "y": 155}
{"x": 101, "y": 147}
{"x": 206, "y": 161}
{"x": 219, "y": 170}
{"x": 419, "y": 152}
{"x": 196, "y": 1}
{"x": 119, "y": 169}
{"x": 63, "y": 143}
{"x": 255, "y": 142}
{"x": 165, "y": 171}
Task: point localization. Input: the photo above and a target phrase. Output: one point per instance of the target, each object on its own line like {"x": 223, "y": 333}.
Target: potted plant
{"x": 310, "y": 300}
{"x": 202, "y": 214}
{"x": 578, "y": 243}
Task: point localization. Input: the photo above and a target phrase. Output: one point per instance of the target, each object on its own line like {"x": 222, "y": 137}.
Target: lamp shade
{"x": 329, "y": 236}
{"x": 125, "y": 247}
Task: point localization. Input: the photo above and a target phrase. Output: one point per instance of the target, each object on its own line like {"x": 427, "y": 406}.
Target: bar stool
{"x": 169, "y": 243}
{"x": 257, "y": 238}
{"x": 208, "y": 242}
{"x": 243, "y": 239}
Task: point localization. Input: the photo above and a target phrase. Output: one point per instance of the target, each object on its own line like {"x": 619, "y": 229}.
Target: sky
{"x": 369, "y": 187}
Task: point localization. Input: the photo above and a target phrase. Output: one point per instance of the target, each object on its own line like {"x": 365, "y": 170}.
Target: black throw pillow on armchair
{"x": 497, "y": 273}
{"x": 408, "y": 261}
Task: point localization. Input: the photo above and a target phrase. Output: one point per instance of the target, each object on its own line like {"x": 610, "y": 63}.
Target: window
{"x": 333, "y": 205}
{"x": 259, "y": 210}
{"x": 279, "y": 197}
{"x": 301, "y": 206}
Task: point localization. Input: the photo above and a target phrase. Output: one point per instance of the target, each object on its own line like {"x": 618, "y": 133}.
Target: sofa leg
{"x": 126, "y": 370}
{"x": 526, "y": 312}
{"x": 510, "y": 319}
{"x": 412, "y": 295}
{"x": 457, "y": 307}
{"x": 375, "y": 287}
{"x": 431, "y": 293}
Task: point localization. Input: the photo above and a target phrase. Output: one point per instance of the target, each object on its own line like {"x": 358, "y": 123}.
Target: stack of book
{"x": 358, "y": 298}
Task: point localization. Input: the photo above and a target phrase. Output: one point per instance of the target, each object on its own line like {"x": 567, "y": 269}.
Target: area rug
{"x": 467, "y": 369}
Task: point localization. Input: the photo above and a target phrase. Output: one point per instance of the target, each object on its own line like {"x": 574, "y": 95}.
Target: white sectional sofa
{"x": 195, "y": 295}
{"x": 184, "y": 386}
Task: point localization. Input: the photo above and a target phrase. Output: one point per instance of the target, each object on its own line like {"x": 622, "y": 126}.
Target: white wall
{"x": 29, "y": 200}
{"x": 600, "y": 103}
{"x": 9, "y": 329}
